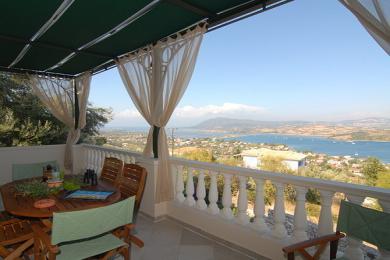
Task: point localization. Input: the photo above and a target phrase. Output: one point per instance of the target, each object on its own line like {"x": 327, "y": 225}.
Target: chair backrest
{"x": 112, "y": 168}
{"x": 132, "y": 182}
{"x": 365, "y": 224}
{"x": 75, "y": 225}
{"x": 30, "y": 170}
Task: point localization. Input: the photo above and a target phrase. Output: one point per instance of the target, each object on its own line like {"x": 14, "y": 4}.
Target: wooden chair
{"x": 354, "y": 220}
{"x": 112, "y": 169}
{"x": 132, "y": 183}
{"x": 16, "y": 236}
{"x": 86, "y": 233}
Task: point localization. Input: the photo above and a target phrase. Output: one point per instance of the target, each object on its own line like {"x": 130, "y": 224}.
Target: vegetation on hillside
{"x": 24, "y": 120}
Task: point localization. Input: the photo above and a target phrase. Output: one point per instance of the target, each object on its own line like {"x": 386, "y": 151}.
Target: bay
{"x": 380, "y": 150}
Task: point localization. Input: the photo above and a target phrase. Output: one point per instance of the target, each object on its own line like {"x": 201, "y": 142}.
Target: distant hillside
{"x": 230, "y": 123}
{"x": 373, "y": 122}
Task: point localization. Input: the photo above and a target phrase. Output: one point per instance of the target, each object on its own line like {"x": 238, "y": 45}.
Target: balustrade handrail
{"x": 308, "y": 182}
{"x": 110, "y": 149}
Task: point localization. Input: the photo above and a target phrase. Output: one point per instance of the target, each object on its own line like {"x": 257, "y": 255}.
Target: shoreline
{"x": 308, "y": 136}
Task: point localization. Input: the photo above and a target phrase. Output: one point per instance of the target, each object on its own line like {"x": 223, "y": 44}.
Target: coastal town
{"x": 252, "y": 155}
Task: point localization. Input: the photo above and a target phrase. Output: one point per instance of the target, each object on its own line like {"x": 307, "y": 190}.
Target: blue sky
{"x": 307, "y": 60}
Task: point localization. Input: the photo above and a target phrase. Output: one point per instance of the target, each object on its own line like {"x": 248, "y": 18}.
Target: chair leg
{"x": 36, "y": 249}
{"x": 126, "y": 253}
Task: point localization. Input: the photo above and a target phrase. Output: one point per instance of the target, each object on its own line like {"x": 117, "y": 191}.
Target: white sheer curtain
{"x": 374, "y": 15}
{"x": 57, "y": 94}
{"x": 156, "y": 79}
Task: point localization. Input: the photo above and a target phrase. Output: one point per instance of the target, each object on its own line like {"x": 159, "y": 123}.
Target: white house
{"x": 293, "y": 160}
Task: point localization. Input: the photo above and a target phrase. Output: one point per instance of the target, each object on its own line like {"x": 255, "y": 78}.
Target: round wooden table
{"x": 24, "y": 206}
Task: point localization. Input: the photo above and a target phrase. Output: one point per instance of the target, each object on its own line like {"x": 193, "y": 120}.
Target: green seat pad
{"x": 87, "y": 248}
{"x": 365, "y": 224}
{"x": 30, "y": 170}
{"x": 342, "y": 258}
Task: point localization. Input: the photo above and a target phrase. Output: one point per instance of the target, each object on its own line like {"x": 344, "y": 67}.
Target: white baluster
{"x": 90, "y": 159}
{"x": 105, "y": 155}
{"x": 179, "y": 184}
{"x": 300, "y": 216}
{"x": 131, "y": 159}
{"x": 325, "y": 222}
{"x": 201, "y": 192}
{"x": 96, "y": 160}
{"x": 279, "y": 230}
{"x": 85, "y": 157}
{"x": 227, "y": 197}
{"x": 101, "y": 160}
{"x": 190, "y": 201}
{"x": 259, "y": 209}
{"x": 353, "y": 251}
{"x": 384, "y": 254}
{"x": 123, "y": 158}
{"x": 213, "y": 194}
{"x": 242, "y": 216}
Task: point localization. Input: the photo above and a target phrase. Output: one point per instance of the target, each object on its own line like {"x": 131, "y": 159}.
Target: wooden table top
{"x": 24, "y": 206}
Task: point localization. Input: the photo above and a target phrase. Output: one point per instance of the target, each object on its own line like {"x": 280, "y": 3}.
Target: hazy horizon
{"x": 306, "y": 64}
{"x": 170, "y": 125}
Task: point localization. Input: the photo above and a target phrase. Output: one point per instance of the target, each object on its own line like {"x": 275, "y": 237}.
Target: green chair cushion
{"x": 83, "y": 224}
{"x": 30, "y": 170}
{"x": 87, "y": 248}
{"x": 366, "y": 224}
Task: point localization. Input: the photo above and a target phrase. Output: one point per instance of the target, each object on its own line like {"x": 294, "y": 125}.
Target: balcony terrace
{"x": 188, "y": 228}
{"x": 56, "y": 47}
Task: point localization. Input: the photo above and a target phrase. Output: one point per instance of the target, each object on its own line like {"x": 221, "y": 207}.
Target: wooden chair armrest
{"x": 125, "y": 233}
{"x": 47, "y": 223}
{"x": 40, "y": 234}
{"x": 19, "y": 250}
{"x": 129, "y": 226}
{"x": 137, "y": 241}
{"x": 312, "y": 242}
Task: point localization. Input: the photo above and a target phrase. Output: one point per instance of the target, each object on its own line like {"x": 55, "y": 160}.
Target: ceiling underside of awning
{"x": 79, "y": 39}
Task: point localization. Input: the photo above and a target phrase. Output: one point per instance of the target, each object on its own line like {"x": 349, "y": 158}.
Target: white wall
{"x": 28, "y": 154}
{"x": 250, "y": 162}
{"x": 292, "y": 165}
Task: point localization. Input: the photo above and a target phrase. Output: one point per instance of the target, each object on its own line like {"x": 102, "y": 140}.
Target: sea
{"x": 357, "y": 149}
{"x": 380, "y": 150}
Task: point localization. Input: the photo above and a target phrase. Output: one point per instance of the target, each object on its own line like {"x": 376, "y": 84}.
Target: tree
{"x": 371, "y": 168}
{"x": 24, "y": 120}
{"x": 202, "y": 155}
{"x": 274, "y": 164}
{"x": 383, "y": 180}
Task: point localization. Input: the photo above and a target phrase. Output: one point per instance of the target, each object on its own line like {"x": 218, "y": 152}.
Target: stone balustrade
{"x": 186, "y": 170}
{"x": 194, "y": 195}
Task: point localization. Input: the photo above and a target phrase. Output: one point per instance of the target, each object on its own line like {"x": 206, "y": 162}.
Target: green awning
{"x": 79, "y": 39}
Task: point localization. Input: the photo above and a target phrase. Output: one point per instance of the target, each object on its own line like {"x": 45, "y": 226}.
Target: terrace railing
{"x": 192, "y": 197}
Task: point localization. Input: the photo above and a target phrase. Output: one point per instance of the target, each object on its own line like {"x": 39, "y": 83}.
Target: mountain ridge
{"x": 230, "y": 123}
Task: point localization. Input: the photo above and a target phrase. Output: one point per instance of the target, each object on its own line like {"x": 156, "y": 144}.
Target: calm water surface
{"x": 380, "y": 150}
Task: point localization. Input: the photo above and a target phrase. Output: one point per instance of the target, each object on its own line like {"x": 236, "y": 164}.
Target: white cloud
{"x": 224, "y": 110}
{"x": 127, "y": 114}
